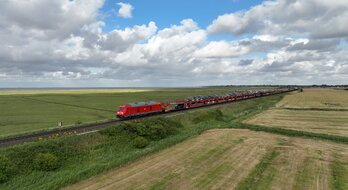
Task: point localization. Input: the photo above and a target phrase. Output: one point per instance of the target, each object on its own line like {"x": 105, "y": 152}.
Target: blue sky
{"x": 167, "y": 13}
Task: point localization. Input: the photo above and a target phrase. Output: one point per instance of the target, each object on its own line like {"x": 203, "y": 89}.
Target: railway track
{"x": 10, "y": 141}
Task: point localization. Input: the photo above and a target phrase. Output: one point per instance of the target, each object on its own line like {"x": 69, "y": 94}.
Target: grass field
{"x": 72, "y": 91}
{"x": 314, "y": 110}
{"x": 316, "y": 98}
{"x": 87, "y": 155}
{"x": 27, "y": 111}
{"x": 220, "y": 152}
{"x": 233, "y": 159}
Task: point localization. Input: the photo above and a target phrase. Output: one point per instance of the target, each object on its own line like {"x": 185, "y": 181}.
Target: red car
{"x": 139, "y": 108}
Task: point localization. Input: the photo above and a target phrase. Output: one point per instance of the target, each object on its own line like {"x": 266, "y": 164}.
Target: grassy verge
{"x": 80, "y": 157}
{"x": 56, "y": 128}
{"x": 259, "y": 178}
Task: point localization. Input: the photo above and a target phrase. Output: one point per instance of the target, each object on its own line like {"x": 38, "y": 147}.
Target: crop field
{"x": 83, "y": 156}
{"x": 212, "y": 148}
{"x": 316, "y": 98}
{"x": 314, "y": 110}
{"x": 233, "y": 159}
{"x": 27, "y": 111}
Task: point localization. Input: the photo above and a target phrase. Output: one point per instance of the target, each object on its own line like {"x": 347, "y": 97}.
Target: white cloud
{"x": 43, "y": 19}
{"x": 315, "y": 18}
{"x": 122, "y": 39}
{"x": 266, "y": 38}
{"x": 70, "y": 46}
{"x": 125, "y": 10}
{"x": 73, "y": 49}
{"x": 219, "y": 49}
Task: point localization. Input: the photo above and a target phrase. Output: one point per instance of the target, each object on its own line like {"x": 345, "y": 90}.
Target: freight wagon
{"x": 152, "y": 107}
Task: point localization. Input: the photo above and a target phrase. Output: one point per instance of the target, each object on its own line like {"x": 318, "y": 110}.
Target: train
{"x": 137, "y": 109}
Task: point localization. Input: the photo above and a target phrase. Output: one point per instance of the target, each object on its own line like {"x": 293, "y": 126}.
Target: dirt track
{"x": 221, "y": 159}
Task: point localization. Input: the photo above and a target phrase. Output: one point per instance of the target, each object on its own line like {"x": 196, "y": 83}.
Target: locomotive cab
{"x": 122, "y": 110}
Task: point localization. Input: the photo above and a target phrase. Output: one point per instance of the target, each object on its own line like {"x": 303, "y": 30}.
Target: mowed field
{"x": 233, "y": 159}
{"x": 316, "y": 98}
{"x": 314, "y": 110}
{"x": 27, "y": 111}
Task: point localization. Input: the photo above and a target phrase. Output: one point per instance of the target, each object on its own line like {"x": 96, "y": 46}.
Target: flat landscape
{"x": 78, "y": 157}
{"x": 314, "y": 110}
{"x": 316, "y": 98}
{"x": 173, "y": 95}
{"x": 222, "y": 147}
{"x": 27, "y": 111}
{"x": 233, "y": 159}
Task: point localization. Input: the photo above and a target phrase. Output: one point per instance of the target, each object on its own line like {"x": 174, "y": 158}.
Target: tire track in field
{"x": 66, "y": 104}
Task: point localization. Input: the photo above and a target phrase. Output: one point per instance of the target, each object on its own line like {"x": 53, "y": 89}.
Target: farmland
{"x": 86, "y": 155}
{"x": 28, "y": 111}
{"x": 213, "y": 148}
{"x": 316, "y": 98}
{"x": 230, "y": 159}
{"x": 314, "y": 110}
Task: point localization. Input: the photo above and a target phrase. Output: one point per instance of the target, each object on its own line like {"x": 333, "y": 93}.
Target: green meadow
{"x": 77, "y": 157}
{"x": 33, "y": 110}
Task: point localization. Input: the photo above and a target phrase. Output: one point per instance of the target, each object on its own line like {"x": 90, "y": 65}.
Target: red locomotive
{"x": 145, "y": 108}
{"x": 139, "y": 108}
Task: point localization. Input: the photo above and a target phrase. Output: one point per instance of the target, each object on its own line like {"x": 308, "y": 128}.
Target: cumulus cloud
{"x": 221, "y": 49}
{"x": 168, "y": 53}
{"x": 59, "y": 19}
{"x": 117, "y": 40}
{"x": 315, "y": 18}
{"x": 125, "y": 10}
{"x": 287, "y": 42}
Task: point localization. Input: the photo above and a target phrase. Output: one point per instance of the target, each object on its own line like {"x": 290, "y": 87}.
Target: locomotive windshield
{"x": 121, "y": 108}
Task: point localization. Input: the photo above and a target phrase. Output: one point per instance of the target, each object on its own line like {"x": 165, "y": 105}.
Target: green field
{"x": 199, "y": 149}
{"x": 80, "y": 157}
{"x": 27, "y": 111}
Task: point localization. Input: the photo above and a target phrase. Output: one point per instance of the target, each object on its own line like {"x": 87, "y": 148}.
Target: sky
{"x": 156, "y": 43}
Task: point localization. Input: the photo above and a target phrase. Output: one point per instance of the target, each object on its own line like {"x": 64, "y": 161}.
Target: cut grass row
{"x": 292, "y": 133}
{"x": 304, "y": 176}
{"x": 258, "y": 178}
{"x": 339, "y": 173}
